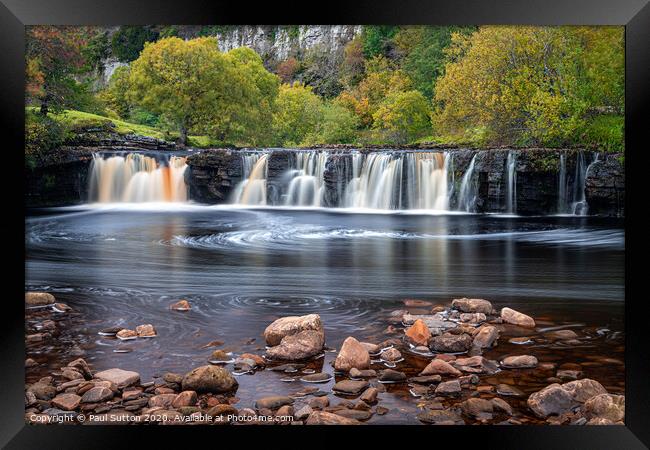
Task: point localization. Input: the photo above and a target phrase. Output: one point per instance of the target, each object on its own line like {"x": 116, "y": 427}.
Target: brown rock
{"x": 605, "y": 406}
{"x": 519, "y": 362}
{"x": 561, "y": 334}
{"x": 301, "y": 345}
{"x": 209, "y": 379}
{"x": 61, "y": 308}
{"x": 162, "y": 400}
{"x": 367, "y": 373}
{"x": 473, "y": 317}
{"x": 450, "y": 343}
{"x": 350, "y": 387}
{"x": 259, "y": 361}
{"x": 440, "y": 367}
{"x": 326, "y": 418}
{"x": 418, "y": 333}
{"x": 370, "y": 395}
{"x": 97, "y": 394}
{"x": 287, "y": 326}
{"x": 273, "y": 402}
{"x": 121, "y": 378}
{"x": 487, "y": 335}
{"x": 222, "y": 410}
{"x": 477, "y": 407}
{"x": 319, "y": 402}
{"x": 352, "y": 355}
{"x": 185, "y": 398}
{"x": 66, "y": 402}
{"x": 146, "y": 330}
{"x": 39, "y": 298}
{"x": 501, "y": 405}
{"x": 472, "y": 305}
{"x": 391, "y": 355}
{"x": 448, "y": 388}
{"x": 126, "y": 334}
{"x": 550, "y": 400}
{"x": 181, "y": 305}
{"x": 583, "y": 390}
{"x": 513, "y": 317}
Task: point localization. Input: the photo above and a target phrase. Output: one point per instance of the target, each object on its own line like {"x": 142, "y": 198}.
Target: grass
{"x": 78, "y": 120}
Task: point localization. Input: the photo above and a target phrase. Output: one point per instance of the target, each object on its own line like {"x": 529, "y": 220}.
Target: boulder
{"x": 486, "y": 337}
{"x": 162, "y": 400}
{"x": 185, "y": 398}
{"x": 39, "y": 299}
{"x": 126, "y": 334}
{"x": 519, "y": 362}
{"x": 440, "y": 367}
{"x": 477, "y": 407}
{"x": 213, "y": 379}
{"x": 472, "y": 305}
{"x": 353, "y": 354}
{"x": 418, "y": 333}
{"x": 501, "y": 405}
{"x": 448, "y": 388}
{"x": 367, "y": 373}
{"x": 583, "y": 390}
{"x": 66, "y": 402}
{"x": 287, "y": 326}
{"x": 605, "y": 406}
{"x": 450, "y": 343}
{"x": 121, "y": 378}
{"x": 350, "y": 387}
{"x": 301, "y": 345}
{"x": 550, "y": 400}
{"x": 513, "y": 317}
{"x": 370, "y": 395}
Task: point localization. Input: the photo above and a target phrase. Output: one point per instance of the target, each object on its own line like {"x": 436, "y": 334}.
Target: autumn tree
{"x": 298, "y": 112}
{"x": 337, "y": 125}
{"x": 53, "y": 57}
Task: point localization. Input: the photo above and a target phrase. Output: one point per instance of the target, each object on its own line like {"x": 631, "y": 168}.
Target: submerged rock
{"x": 519, "y": 362}
{"x": 302, "y": 345}
{"x": 181, "y": 305}
{"x": 352, "y": 355}
{"x": 350, "y": 387}
{"x": 316, "y": 378}
{"x": 440, "y": 367}
{"x": 273, "y": 402}
{"x": 472, "y": 305}
{"x": 209, "y": 379}
{"x": 513, "y": 317}
{"x": 391, "y": 355}
{"x": 391, "y": 376}
{"x": 561, "y": 334}
{"x": 287, "y": 326}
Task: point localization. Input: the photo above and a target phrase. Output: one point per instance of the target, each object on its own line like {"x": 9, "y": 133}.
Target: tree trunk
{"x": 182, "y": 139}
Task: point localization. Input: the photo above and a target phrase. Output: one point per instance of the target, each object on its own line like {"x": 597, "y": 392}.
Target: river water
{"x": 122, "y": 265}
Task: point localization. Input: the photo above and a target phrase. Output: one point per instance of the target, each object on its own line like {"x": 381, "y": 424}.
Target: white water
{"x": 562, "y": 186}
{"x": 511, "y": 194}
{"x": 137, "y": 178}
{"x": 252, "y": 189}
{"x": 468, "y": 189}
{"x": 307, "y": 185}
{"x": 571, "y": 197}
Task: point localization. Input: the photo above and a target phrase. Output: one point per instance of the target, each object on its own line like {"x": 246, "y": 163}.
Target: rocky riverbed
{"x": 462, "y": 362}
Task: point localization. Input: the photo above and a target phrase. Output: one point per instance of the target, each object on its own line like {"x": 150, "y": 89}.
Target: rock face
{"x": 472, "y": 305}
{"x": 516, "y": 318}
{"x": 209, "y": 379}
{"x": 287, "y": 326}
{"x": 352, "y": 355}
{"x": 558, "y": 399}
{"x": 605, "y": 187}
{"x": 302, "y": 345}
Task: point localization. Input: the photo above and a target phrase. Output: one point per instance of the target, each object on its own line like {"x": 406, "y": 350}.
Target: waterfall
{"x": 252, "y": 189}
{"x": 579, "y": 206}
{"x": 511, "y": 198}
{"x": 307, "y": 185}
{"x": 468, "y": 189}
{"x": 562, "y": 186}
{"x": 137, "y": 178}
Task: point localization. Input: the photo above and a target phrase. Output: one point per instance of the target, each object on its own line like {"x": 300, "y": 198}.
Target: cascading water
{"x": 137, "y": 178}
{"x": 252, "y": 189}
{"x": 511, "y": 194}
{"x": 562, "y": 186}
{"x": 573, "y": 201}
{"x": 307, "y": 184}
{"x": 468, "y": 189}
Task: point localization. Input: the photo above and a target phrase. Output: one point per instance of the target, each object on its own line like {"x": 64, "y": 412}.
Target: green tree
{"x": 116, "y": 94}
{"x": 129, "y": 40}
{"x": 403, "y": 117}
{"x": 297, "y": 114}
{"x": 377, "y": 40}
{"x": 189, "y": 83}
{"x": 336, "y": 126}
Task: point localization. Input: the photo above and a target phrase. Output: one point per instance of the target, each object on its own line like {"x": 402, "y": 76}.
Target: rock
{"x": 285, "y": 411}
{"x": 81, "y": 365}
{"x": 185, "y": 398}
{"x": 39, "y": 298}
{"x": 418, "y": 333}
{"x": 426, "y": 379}
{"x": 29, "y": 362}
{"x": 258, "y": 360}
{"x": 326, "y": 418}
{"x": 472, "y": 305}
{"x": 440, "y": 367}
{"x": 373, "y": 349}
{"x": 550, "y": 400}
{"x": 352, "y": 355}
{"x": 391, "y": 376}
{"x": 391, "y": 355}
{"x": 273, "y": 402}
{"x": 213, "y": 379}
{"x": 126, "y": 334}
{"x": 162, "y": 400}
{"x": 287, "y": 326}
{"x": 181, "y": 305}
{"x": 171, "y": 377}
{"x": 110, "y": 331}
{"x": 97, "y": 394}
{"x": 354, "y": 414}
{"x": 61, "y": 308}
{"x": 319, "y": 402}
{"x": 367, "y": 373}
{"x": 412, "y": 303}
{"x": 121, "y": 378}
{"x": 316, "y": 378}
{"x": 605, "y": 406}
{"x": 602, "y": 421}
{"x": 146, "y": 330}
{"x": 131, "y": 394}
{"x": 561, "y": 334}
{"x": 222, "y": 410}
{"x": 350, "y": 387}
{"x": 303, "y": 412}
{"x": 477, "y": 407}
{"x": 70, "y": 373}
{"x": 583, "y": 390}
{"x": 302, "y": 345}
{"x": 448, "y": 388}
{"x": 506, "y": 389}
{"x": 440, "y": 417}
{"x": 436, "y": 323}
{"x": 513, "y": 317}
{"x": 568, "y": 375}
{"x": 370, "y": 395}
{"x": 66, "y": 402}
{"x": 42, "y": 391}
{"x": 520, "y": 340}
{"x": 473, "y": 317}
{"x": 519, "y": 362}
{"x": 449, "y": 343}
{"x": 487, "y": 335}
{"x": 501, "y": 405}
{"x": 221, "y": 356}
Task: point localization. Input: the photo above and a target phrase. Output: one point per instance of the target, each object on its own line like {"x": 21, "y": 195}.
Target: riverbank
{"x": 459, "y": 363}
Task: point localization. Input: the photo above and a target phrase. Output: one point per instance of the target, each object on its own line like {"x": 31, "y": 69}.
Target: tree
{"x": 189, "y": 83}
{"x": 377, "y": 40}
{"x": 53, "y": 57}
{"x": 353, "y": 64}
{"x": 129, "y": 40}
{"x": 116, "y": 94}
{"x": 297, "y": 114}
{"x": 403, "y": 116}
{"x": 336, "y": 126}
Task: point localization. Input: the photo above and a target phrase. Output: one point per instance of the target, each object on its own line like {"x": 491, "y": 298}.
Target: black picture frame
{"x": 633, "y": 14}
